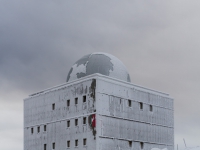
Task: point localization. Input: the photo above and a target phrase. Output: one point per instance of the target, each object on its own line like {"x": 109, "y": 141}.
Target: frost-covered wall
{"x": 53, "y": 120}
{"x": 132, "y": 117}
{"x": 98, "y": 112}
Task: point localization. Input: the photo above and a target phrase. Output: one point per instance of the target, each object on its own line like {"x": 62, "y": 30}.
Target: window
{"x": 150, "y": 108}
{"x": 84, "y": 98}
{"x": 68, "y": 123}
{"x": 31, "y": 130}
{"x": 45, "y": 127}
{"x": 141, "y": 105}
{"x": 38, "y": 129}
{"x": 84, "y": 142}
{"x": 53, "y": 145}
{"x": 130, "y": 143}
{"x": 45, "y": 146}
{"x": 84, "y": 120}
{"x": 141, "y": 145}
{"x": 76, "y": 122}
{"x": 68, "y": 102}
{"x": 53, "y": 106}
{"x": 76, "y": 100}
{"x": 129, "y": 103}
{"x": 68, "y": 144}
{"x": 76, "y": 143}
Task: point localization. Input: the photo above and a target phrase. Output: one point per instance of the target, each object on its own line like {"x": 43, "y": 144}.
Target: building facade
{"x": 98, "y": 112}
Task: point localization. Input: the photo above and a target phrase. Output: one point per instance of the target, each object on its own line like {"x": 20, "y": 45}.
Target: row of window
{"x": 68, "y": 144}
{"x": 84, "y": 100}
{"x": 68, "y": 102}
{"x": 141, "y": 105}
{"x": 76, "y": 122}
{"x": 38, "y": 129}
{"x": 68, "y": 125}
{"x": 76, "y": 144}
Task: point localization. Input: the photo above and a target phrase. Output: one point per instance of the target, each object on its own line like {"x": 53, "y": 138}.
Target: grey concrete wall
{"x": 38, "y": 112}
{"x": 117, "y": 124}
{"x": 122, "y": 123}
{"x": 116, "y": 144}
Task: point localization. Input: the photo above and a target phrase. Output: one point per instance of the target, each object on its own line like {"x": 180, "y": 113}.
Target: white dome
{"x": 102, "y": 63}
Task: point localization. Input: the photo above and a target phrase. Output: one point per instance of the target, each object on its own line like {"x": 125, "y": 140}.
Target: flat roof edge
{"x": 97, "y": 76}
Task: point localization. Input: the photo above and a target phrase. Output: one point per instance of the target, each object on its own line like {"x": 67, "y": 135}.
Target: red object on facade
{"x": 92, "y": 120}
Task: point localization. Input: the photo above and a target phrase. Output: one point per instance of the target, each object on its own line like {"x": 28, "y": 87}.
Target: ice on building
{"x": 98, "y": 108}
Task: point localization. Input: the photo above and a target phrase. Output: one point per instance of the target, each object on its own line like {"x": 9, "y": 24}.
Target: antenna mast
{"x": 185, "y": 143}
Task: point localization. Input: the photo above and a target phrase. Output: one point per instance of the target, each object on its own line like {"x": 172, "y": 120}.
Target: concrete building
{"x": 98, "y": 108}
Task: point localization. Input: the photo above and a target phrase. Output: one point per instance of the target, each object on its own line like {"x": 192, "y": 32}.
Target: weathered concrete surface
{"x": 111, "y": 122}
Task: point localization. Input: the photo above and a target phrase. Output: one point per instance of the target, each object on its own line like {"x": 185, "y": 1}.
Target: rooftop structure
{"x": 102, "y": 63}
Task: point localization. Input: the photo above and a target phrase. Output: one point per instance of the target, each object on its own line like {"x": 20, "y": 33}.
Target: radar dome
{"x": 102, "y": 63}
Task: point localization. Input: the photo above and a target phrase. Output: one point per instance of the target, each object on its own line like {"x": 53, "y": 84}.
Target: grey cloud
{"x": 158, "y": 41}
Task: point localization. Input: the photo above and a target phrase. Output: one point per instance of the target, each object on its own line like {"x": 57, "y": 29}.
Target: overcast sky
{"x": 157, "y": 40}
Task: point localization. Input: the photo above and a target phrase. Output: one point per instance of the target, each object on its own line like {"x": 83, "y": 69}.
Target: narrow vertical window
{"x": 84, "y": 98}
{"x": 68, "y": 123}
{"x": 53, "y": 145}
{"x": 45, "y": 127}
{"x": 68, "y": 144}
{"x": 31, "y": 130}
{"x": 84, "y": 142}
{"x": 68, "y": 102}
{"x": 38, "y": 129}
{"x": 76, "y": 122}
{"x": 84, "y": 120}
{"x": 45, "y": 146}
{"x": 129, "y": 103}
{"x": 130, "y": 143}
{"x": 141, "y": 105}
{"x": 76, "y": 100}
{"x": 53, "y": 106}
{"x": 76, "y": 143}
{"x": 141, "y": 145}
{"x": 150, "y": 108}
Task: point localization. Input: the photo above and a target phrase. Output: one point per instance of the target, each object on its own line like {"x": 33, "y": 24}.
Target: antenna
{"x": 184, "y": 143}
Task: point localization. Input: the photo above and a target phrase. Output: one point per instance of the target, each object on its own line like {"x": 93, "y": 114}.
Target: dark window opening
{"x": 53, "y": 145}
{"x": 45, "y": 127}
{"x": 32, "y": 130}
{"x": 151, "y": 108}
{"x": 141, "y": 105}
{"x": 68, "y": 143}
{"x": 38, "y": 129}
{"x": 76, "y": 100}
{"x": 68, "y": 102}
{"x": 53, "y": 106}
{"x": 129, "y": 103}
{"x": 84, "y": 120}
{"x": 45, "y": 146}
{"x": 76, "y": 122}
{"x": 76, "y": 142}
{"x": 120, "y": 101}
{"x": 84, "y": 98}
{"x": 68, "y": 123}
{"x": 141, "y": 145}
{"x": 130, "y": 143}
{"x": 84, "y": 142}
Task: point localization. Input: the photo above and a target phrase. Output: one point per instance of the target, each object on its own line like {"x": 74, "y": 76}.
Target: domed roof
{"x": 98, "y": 62}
